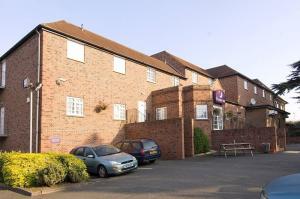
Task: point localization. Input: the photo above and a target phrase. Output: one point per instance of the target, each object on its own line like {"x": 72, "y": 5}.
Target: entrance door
{"x": 141, "y": 111}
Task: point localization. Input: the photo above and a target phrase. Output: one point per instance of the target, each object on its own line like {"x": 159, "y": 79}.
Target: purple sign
{"x": 219, "y": 97}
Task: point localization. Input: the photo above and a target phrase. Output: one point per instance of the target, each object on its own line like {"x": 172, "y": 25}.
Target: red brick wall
{"x": 255, "y": 136}
{"x": 20, "y": 64}
{"x": 169, "y": 134}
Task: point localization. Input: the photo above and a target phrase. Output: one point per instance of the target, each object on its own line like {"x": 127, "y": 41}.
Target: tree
{"x": 293, "y": 82}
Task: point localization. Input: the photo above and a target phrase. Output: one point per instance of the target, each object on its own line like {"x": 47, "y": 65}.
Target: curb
{"x": 43, "y": 190}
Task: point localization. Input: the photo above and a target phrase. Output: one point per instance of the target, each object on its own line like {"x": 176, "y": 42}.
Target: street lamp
{"x": 29, "y": 85}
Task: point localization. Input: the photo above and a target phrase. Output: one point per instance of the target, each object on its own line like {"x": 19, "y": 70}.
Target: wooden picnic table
{"x": 234, "y": 147}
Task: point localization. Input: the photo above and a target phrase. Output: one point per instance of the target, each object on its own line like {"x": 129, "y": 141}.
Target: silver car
{"x": 105, "y": 160}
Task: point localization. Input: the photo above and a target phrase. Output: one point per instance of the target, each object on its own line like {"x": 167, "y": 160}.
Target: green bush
{"x": 54, "y": 173}
{"x": 201, "y": 142}
{"x": 27, "y": 170}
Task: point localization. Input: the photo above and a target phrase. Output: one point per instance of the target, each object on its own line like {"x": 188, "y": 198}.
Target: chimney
{"x": 81, "y": 27}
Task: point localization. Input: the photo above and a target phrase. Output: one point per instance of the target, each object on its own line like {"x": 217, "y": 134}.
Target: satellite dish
{"x": 252, "y": 101}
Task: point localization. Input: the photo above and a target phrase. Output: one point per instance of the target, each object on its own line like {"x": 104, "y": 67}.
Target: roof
{"x": 226, "y": 71}
{"x": 182, "y": 62}
{"x": 90, "y": 38}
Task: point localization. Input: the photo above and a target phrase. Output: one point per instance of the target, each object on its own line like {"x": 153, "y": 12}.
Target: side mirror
{"x": 90, "y": 156}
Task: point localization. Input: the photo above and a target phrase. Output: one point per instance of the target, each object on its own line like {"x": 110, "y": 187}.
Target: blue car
{"x": 105, "y": 160}
{"x": 286, "y": 187}
{"x": 144, "y": 150}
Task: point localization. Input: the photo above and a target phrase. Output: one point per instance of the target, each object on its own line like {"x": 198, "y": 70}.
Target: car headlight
{"x": 263, "y": 195}
{"x": 114, "y": 163}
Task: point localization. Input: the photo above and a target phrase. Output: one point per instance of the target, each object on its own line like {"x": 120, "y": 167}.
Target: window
{"x": 79, "y": 152}
{"x": 210, "y": 81}
{"x": 270, "y": 97}
{"x": 245, "y": 85}
{"x": 263, "y": 93}
{"x": 194, "y": 78}
{"x": 75, "y": 51}
{"x": 119, "y": 112}
{"x": 151, "y": 75}
{"x": 161, "y": 113}
{"x": 88, "y": 152}
{"x": 2, "y": 113}
{"x": 175, "y": 81}
{"x": 201, "y": 112}
{"x": 255, "y": 90}
{"x": 3, "y": 73}
{"x": 217, "y": 119}
{"x": 119, "y": 65}
{"x": 74, "y": 106}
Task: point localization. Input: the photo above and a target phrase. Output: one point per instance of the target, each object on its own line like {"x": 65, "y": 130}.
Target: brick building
{"x": 87, "y": 89}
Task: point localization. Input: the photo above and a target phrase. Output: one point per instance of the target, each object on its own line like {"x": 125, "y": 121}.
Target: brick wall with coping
{"x": 255, "y": 136}
{"x": 169, "y": 135}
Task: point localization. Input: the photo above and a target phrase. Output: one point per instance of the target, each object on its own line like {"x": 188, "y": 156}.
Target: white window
{"x": 75, "y": 51}
{"x": 217, "y": 119}
{"x": 246, "y": 85}
{"x": 2, "y": 113}
{"x": 142, "y": 113}
{"x": 194, "y": 78}
{"x": 210, "y": 81}
{"x": 175, "y": 81}
{"x": 161, "y": 113}
{"x": 119, "y": 112}
{"x": 3, "y": 73}
{"x": 119, "y": 65}
{"x": 270, "y": 97}
{"x": 74, "y": 106}
{"x": 201, "y": 112}
{"x": 151, "y": 75}
{"x": 263, "y": 93}
{"x": 255, "y": 90}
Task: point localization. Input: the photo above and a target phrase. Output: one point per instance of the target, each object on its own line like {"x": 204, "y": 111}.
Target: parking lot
{"x": 199, "y": 177}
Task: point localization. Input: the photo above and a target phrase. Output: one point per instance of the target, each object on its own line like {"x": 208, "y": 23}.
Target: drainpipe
{"x": 38, "y": 93}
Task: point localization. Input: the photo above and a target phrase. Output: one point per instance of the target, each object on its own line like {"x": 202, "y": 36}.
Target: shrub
{"x": 201, "y": 142}
{"x": 27, "y": 170}
{"x": 54, "y": 173}
{"x": 75, "y": 168}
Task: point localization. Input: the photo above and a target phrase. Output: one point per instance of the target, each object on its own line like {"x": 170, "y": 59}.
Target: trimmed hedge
{"x": 201, "y": 142}
{"x": 38, "y": 169}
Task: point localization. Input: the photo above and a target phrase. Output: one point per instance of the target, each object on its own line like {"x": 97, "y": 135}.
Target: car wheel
{"x": 152, "y": 161}
{"x": 102, "y": 172}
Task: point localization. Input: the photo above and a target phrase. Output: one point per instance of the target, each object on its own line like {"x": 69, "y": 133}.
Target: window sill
{"x": 79, "y": 61}
{"x": 119, "y": 72}
{"x": 204, "y": 119}
{"x": 3, "y": 135}
{"x": 80, "y": 116}
{"x": 153, "y": 82}
{"x": 119, "y": 119}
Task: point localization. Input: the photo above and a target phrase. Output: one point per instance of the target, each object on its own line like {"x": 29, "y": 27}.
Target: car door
{"x": 90, "y": 160}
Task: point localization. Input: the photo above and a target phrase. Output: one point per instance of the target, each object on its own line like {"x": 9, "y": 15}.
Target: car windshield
{"x": 106, "y": 150}
{"x": 149, "y": 145}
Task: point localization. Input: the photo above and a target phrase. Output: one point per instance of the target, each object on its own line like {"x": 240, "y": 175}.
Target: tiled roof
{"x": 182, "y": 62}
{"x": 222, "y": 71}
{"x": 107, "y": 44}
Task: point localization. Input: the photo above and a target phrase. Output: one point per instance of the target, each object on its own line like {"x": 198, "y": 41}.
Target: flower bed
{"x": 40, "y": 169}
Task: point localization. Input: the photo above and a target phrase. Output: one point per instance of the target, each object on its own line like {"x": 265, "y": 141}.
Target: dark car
{"x": 142, "y": 149}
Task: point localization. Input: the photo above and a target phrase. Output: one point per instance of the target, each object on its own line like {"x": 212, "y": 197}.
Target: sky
{"x": 257, "y": 38}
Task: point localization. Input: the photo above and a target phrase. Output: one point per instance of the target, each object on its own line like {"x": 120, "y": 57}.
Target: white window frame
{"x": 3, "y": 74}
{"x": 270, "y": 97}
{"x": 255, "y": 89}
{"x": 161, "y": 113}
{"x": 119, "y": 65}
{"x": 194, "y": 77}
{"x": 175, "y": 81}
{"x": 119, "y": 112}
{"x": 218, "y": 123}
{"x": 245, "y": 85}
{"x": 75, "y": 51}
{"x": 151, "y": 75}
{"x": 263, "y": 93}
{"x": 201, "y": 112}
{"x": 74, "y": 106}
{"x": 2, "y": 119}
